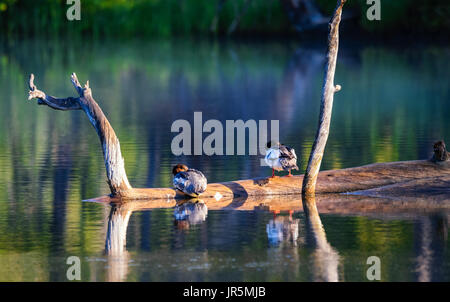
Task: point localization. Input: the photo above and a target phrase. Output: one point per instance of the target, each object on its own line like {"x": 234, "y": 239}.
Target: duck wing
{"x": 288, "y": 158}
{"x": 191, "y": 182}
{"x": 287, "y": 152}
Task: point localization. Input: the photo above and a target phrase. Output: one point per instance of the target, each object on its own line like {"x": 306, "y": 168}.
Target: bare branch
{"x": 69, "y": 103}
{"x": 34, "y": 92}
{"x": 114, "y": 163}
{"x": 76, "y": 84}
{"x": 326, "y": 104}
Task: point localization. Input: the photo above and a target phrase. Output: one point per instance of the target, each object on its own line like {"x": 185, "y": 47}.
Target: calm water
{"x": 394, "y": 104}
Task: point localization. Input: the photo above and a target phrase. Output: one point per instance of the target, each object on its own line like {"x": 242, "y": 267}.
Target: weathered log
{"x": 436, "y": 176}
{"x": 326, "y": 104}
{"x": 115, "y": 169}
{"x": 411, "y": 202}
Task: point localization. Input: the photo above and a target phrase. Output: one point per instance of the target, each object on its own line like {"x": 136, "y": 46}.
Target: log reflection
{"x": 186, "y": 213}
{"x": 116, "y": 238}
{"x": 325, "y": 258}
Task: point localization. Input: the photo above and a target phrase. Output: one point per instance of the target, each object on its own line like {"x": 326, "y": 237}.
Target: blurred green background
{"x": 167, "y": 18}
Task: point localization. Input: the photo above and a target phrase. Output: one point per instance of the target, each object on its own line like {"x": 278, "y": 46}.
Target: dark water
{"x": 393, "y": 105}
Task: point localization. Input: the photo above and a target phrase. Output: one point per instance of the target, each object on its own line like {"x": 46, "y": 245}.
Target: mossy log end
{"x": 356, "y": 180}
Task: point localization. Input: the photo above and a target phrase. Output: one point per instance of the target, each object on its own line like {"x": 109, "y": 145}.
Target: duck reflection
{"x": 282, "y": 229}
{"x": 187, "y": 213}
{"x": 324, "y": 257}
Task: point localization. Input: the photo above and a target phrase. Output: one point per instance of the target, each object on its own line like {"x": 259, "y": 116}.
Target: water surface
{"x": 394, "y": 104}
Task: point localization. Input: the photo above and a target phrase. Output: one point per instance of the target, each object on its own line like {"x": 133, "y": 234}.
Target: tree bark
{"x": 115, "y": 167}
{"x": 395, "y": 179}
{"x": 326, "y": 106}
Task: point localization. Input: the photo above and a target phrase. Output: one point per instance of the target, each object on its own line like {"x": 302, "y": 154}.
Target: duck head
{"x": 179, "y": 168}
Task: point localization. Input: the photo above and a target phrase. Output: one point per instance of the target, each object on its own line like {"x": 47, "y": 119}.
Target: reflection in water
{"x": 325, "y": 258}
{"x": 431, "y": 239}
{"x": 283, "y": 237}
{"x": 186, "y": 214}
{"x": 282, "y": 229}
{"x": 50, "y": 161}
{"x": 190, "y": 213}
{"x": 293, "y": 93}
{"x": 116, "y": 239}
{"x": 283, "y": 234}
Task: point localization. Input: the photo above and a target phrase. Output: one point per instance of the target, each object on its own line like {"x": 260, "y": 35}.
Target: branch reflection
{"x": 325, "y": 257}
{"x": 430, "y": 239}
{"x": 116, "y": 238}
{"x": 186, "y": 213}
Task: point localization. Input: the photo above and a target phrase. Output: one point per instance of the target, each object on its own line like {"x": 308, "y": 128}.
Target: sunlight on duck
{"x": 190, "y": 182}
{"x": 281, "y": 158}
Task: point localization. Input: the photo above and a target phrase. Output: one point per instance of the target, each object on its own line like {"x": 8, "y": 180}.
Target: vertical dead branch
{"x": 115, "y": 167}
{"x": 326, "y": 105}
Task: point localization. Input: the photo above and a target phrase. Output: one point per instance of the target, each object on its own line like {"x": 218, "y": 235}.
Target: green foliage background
{"x": 165, "y": 18}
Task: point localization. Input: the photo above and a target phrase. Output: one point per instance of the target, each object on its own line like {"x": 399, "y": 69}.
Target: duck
{"x": 190, "y": 182}
{"x": 281, "y": 158}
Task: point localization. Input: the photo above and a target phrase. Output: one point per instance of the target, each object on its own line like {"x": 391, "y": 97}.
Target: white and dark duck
{"x": 281, "y": 158}
{"x": 189, "y": 181}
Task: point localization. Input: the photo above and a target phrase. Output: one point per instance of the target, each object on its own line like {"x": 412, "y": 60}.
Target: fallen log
{"x": 357, "y": 203}
{"x": 358, "y": 180}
